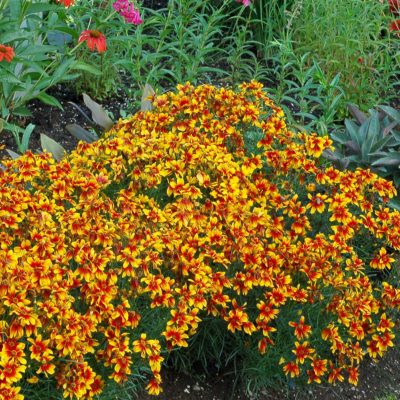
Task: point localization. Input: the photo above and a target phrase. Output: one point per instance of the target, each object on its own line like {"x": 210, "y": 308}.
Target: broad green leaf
{"x": 380, "y": 144}
{"x": 8, "y": 77}
{"x": 99, "y": 115}
{"x": 391, "y": 112}
{"x": 389, "y": 127}
{"x": 35, "y": 8}
{"x": 58, "y": 39}
{"x": 82, "y": 66}
{"x": 82, "y": 134}
{"x": 353, "y": 131}
{"x": 26, "y": 136}
{"x": 13, "y": 36}
{"x": 372, "y": 135}
{"x": 145, "y": 104}
{"x": 61, "y": 71}
{"x": 51, "y": 146}
{"x": 390, "y": 159}
{"x": 69, "y": 31}
{"x": 22, "y": 111}
{"x": 394, "y": 204}
{"x": 339, "y": 139}
{"x": 49, "y": 100}
{"x": 13, "y": 154}
{"x": 357, "y": 113}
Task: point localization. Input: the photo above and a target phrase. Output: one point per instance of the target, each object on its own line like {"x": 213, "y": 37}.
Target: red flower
{"x": 394, "y": 6}
{"x": 94, "y": 39}
{"x": 66, "y": 3}
{"x": 395, "y": 26}
{"x": 6, "y": 52}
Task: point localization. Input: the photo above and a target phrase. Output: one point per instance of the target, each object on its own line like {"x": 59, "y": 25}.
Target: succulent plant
{"x": 370, "y": 141}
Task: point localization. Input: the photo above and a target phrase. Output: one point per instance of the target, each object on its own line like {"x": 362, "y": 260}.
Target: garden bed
{"x": 203, "y": 235}
{"x": 377, "y": 381}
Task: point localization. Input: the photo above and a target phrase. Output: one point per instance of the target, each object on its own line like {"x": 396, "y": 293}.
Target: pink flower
{"x": 127, "y": 11}
{"x": 244, "y": 2}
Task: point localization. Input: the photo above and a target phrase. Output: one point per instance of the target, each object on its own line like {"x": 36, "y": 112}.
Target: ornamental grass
{"x": 206, "y": 206}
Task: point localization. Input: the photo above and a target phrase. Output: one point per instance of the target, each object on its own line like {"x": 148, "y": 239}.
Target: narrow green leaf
{"x": 82, "y": 66}
{"x": 49, "y": 100}
{"x": 26, "y": 136}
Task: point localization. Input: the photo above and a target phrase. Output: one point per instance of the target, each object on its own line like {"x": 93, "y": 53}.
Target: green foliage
{"x": 371, "y": 141}
{"x": 309, "y": 97}
{"x": 270, "y": 22}
{"x": 350, "y": 38}
{"x": 39, "y": 64}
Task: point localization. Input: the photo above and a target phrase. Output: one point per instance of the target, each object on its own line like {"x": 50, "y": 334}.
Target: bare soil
{"x": 377, "y": 380}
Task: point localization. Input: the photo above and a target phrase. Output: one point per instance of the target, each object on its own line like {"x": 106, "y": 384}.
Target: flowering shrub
{"x": 171, "y": 215}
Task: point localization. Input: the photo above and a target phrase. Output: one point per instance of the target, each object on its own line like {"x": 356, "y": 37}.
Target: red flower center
{"x": 95, "y": 34}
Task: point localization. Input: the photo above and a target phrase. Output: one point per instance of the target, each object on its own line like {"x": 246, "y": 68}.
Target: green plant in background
{"x": 270, "y": 21}
{"x": 370, "y": 141}
{"x": 311, "y": 100}
{"x": 26, "y": 28}
{"x": 120, "y": 36}
{"x": 177, "y": 44}
{"x": 350, "y": 38}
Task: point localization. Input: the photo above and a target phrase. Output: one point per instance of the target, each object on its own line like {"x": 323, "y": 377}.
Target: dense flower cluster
{"x": 127, "y": 10}
{"x": 6, "y": 53}
{"x": 171, "y": 213}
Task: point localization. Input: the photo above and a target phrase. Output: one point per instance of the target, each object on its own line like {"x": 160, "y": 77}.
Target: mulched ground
{"x": 377, "y": 380}
{"x": 52, "y": 121}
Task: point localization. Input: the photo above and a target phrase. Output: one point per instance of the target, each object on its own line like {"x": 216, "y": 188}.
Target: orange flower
{"x": 319, "y": 367}
{"x": 66, "y": 3}
{"x": 394, "y": 26}
{"x": 301, "y": 330}
{"x": 394, "y": 6}
{"x": 335, "y": 375}
{"x": 302, "y": 351}
{"x": 154, "y": 387}
{"x": 317, "y": 203}
{"x": 292, "y": 369}
{"x": 6, "y": 53}
{"x": 94, "y": 39}
{"x": 353, "y": 375}
{"x": 381, "y": 261}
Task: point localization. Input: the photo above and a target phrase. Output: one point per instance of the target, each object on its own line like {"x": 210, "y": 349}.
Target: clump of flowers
{"x": 127, "y": 10}
{"x": 171, "y": 214}
{"x": 6, "y": 53}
